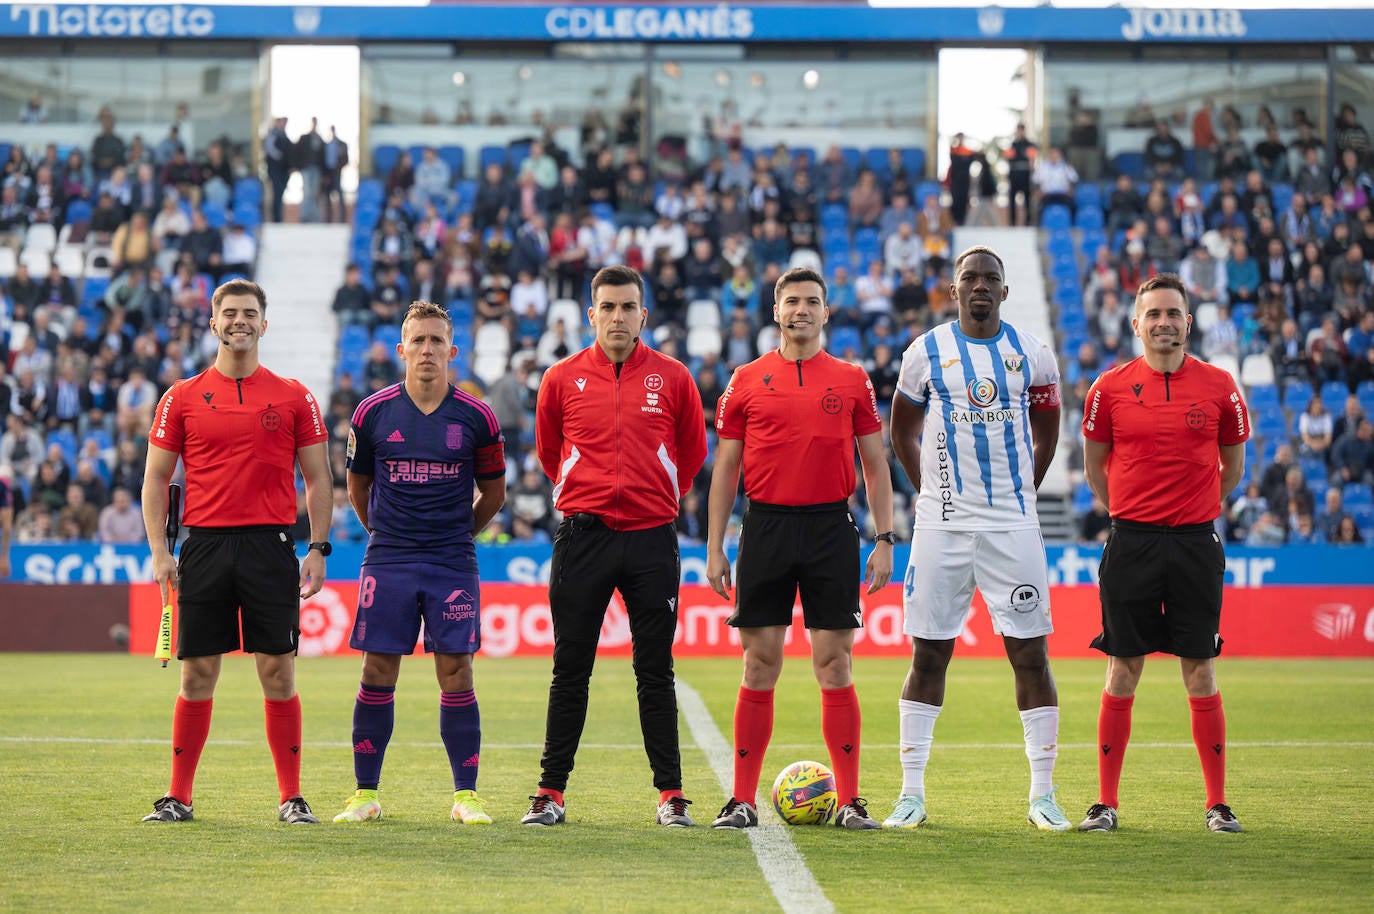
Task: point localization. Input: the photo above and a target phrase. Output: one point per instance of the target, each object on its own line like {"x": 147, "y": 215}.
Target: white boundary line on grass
{"x": 784, "y": 870}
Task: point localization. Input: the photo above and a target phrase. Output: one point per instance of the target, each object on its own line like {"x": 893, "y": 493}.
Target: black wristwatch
{"x": 880, "y": 538}
{"x": 325, "y": 548}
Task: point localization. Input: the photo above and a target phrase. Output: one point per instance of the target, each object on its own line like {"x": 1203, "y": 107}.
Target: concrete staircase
{"x": 300, "y": 267}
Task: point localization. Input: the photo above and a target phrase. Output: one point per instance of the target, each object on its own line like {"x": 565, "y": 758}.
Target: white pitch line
{"x": 784, "y": 870}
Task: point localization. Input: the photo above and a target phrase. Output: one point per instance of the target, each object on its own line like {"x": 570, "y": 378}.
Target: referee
{"x": 239, "y": 430}
{"x": 1164, "y": 440}
{"x": 619, "y": 430}
{"x": 791, "y": 419}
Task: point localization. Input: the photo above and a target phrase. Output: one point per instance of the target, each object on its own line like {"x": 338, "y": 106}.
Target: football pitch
{"x": 84, "y": 752}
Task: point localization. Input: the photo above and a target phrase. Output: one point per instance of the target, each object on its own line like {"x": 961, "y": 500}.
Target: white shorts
{"x": 1007, "y": 567}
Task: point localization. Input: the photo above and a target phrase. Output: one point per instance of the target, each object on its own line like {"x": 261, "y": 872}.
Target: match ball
{"x": 804, "y": 794}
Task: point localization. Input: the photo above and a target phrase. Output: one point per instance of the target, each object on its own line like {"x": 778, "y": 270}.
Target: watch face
{"x": 325, "y": 548}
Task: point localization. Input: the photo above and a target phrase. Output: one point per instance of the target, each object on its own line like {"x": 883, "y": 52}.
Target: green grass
{"x": 83, "y": 752}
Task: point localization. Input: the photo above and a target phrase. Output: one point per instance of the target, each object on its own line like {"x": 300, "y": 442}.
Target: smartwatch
{"x": 325, "y": 548}
{"x": 880, "y": 538}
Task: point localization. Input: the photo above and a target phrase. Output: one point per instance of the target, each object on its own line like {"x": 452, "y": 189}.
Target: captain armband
{"x": 1044, "y": 397}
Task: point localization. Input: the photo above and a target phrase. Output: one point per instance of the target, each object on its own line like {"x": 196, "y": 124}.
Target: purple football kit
{"x": 420, "y": 561}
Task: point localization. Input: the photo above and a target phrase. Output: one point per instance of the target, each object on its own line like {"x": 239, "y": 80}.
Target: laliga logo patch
{"x": 982, "y": 392}
{"x": 653, "y": 382}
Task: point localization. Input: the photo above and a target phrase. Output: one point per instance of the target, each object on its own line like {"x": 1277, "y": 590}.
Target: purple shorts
{"x": 392, "y": 599}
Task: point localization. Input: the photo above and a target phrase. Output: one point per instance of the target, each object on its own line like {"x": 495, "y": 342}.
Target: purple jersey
{"x": 423, "y": 469}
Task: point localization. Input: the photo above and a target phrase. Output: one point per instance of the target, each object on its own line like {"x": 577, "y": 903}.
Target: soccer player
{"x": 416, "y": 451}
{"x": 790, "y": 419}
{"x": 619, "y": 430}
{"x": 975, "y": 423}
{"x": 1164, "y": 444}
{"x": 240, "y": 431}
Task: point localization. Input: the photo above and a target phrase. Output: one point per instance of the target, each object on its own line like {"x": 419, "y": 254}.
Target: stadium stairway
{"x": 1027, "y": 308}
{"x": 300, "y": 266}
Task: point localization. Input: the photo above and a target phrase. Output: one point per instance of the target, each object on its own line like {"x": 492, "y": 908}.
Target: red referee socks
{"x": 840, "y": 725}
{"x": 1209, "y": 735}
{"x": 753, "y": 730}
{"x": 1113, "y": 733}
{"x": 190, "y": 728}
{"x": 284, "y": 739}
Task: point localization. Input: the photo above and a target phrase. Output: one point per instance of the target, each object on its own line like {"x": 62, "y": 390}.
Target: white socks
{"x": 917, "y": 732}
{"x": 1041, "y": 729}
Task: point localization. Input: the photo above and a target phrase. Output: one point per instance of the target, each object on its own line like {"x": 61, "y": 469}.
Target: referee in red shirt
{"x": 791, "y": 419}
{"x": 619, "y": 429}
{"x": 1164, "y": 440}
{"x": 239, "y": 430}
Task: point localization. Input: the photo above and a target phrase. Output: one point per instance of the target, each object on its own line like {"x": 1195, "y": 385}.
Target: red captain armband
{"x": 491, "y": 459}
{"x": 1046, "y": 397}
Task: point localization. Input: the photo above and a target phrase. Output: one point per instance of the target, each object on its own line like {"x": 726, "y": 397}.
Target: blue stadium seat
{"x": 417, "y": 152}
{"x": 1283, "y": 198}
{"x": 925, "y": 189}
{"x": 384, "y": 158}
{"x": 1206, "y": 192}
{"x": 1264, "y": 398}
{"x": 1089, "y": 216}
{"x": 465, "y": 190}
{"x": 516, "y": 156}
{"x": 1365, "y": 391}
{"x": 387, "y": 334}
{"x": 1087, "y": 194}
{"x": 354, "y": 336}
{"x": 1296, "y": 394}
{"x": 875, "y": 159}
{"x": 1269, "y": 425}
{"x": 248, "y": 189}
{"x": 491, "y": 155}
{"x": 248, "y": 214}
{"x": 1333, "y": 396}
{"x": 603, "y": 211}
{"x": 66, "y": 440}
{"x": 1069, "y": 295}
{"x": 842, "y": 338}
{"x": 914, "y": 160}
{"x": 1056, "y": 216}
{"x": 371, "y": 190}
{"x": 214, "y": 213}
{"x": 835, "y": 215}
{"x": 1060, "y": 243}
{"x": 1129, "y": 163}
{"x": 78, "y": 210}
{"x": 103, "y": 439}
{"x": 1089, "y": 241}
{"x": 852, "y": 156}
{"x": 93, "y": 290}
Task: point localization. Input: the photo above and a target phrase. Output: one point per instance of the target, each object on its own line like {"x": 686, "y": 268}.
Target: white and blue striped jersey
{"x": 977, "y": 464}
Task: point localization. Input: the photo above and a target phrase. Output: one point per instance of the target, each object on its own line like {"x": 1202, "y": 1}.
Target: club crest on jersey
{"x": 271, "y": 420}
{"x": 982, "y": 392}
{"x": 832, "y": 403}
{"x": 453, "y": 437}
{"x": 1014, "y": 363}
{"x": 653, "y": 382}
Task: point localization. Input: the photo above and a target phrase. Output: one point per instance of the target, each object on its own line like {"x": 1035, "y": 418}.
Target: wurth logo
{"x": 1334, "y": 621}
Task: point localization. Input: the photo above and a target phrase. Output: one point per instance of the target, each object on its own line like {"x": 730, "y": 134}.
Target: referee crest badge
{"x": 1014, "y": 362}
{"x": 453, "y": 437}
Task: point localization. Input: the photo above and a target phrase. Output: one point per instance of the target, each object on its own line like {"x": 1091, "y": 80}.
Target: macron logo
{"x": 396, "y": 437}
{"x": 581, "y": 383}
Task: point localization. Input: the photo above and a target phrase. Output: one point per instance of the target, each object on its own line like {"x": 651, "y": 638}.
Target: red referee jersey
{"x": 620, "y": 443}
{"x": 798, "y": 420}
{"x": 1165, "y": 430}
{"x": 238, "y": 439}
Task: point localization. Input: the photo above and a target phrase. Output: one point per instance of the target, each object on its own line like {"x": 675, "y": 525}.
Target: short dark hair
{"x": 979, "y": 249}
{"x": 800, "y": 274}
{"x": 424, "y": 310}
{"x": 619, "y": 275}
{"x": 1163, "y": 281}
{"x": 238, "y": 287}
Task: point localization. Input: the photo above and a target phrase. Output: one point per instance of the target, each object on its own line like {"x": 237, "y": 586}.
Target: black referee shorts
{"x": 225, "y": 569}
{"x": 784, "y": 549}
{"x": 1160, "y": 589}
